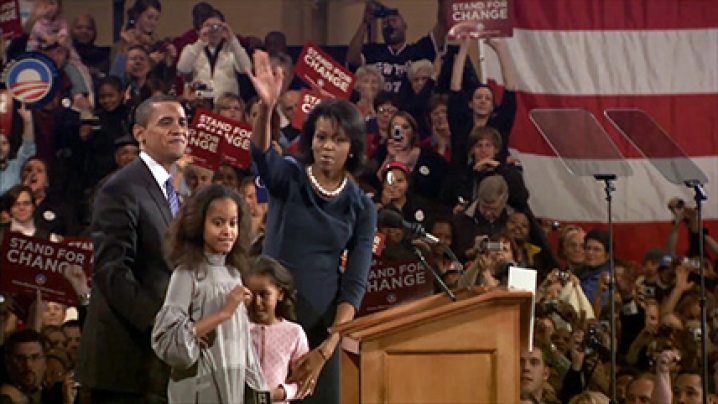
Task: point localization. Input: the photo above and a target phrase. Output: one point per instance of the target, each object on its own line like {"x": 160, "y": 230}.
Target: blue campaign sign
{"x": 32, "y": 78}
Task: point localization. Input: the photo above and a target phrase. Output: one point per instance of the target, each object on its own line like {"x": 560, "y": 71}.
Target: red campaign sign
{"x": 308, "y": 99}
{"x": 393, "y": 283}
{"x": 203, "y": 147}
{"x": 10, "y": 20}
{"x": 316, "y": 68}
{"x": 480, "y": 18}
{"x": 234, "y": 137}
{"x": 30, "y": 264}
{"x": 84, "y": 243}
{"x": 6, "y": 106}
{"x": 377, "y": 246}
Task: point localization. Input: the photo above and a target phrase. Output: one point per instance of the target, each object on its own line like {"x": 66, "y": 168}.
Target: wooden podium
{"x": 437, "y": 351}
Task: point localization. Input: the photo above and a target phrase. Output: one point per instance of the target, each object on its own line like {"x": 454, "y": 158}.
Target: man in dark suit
{"x": 130, "y": 216}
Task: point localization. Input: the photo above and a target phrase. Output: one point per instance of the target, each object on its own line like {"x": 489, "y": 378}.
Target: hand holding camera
{"x": 220, "y": 29}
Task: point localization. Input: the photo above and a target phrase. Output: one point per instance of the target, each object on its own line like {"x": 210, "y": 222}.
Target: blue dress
{"x": 308, "y": 235}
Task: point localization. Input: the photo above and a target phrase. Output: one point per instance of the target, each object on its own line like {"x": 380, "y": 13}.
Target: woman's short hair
{"x": 200, "y": 12}
{"x": 346, "y": 116}
{"x": 599, "y": 235}
{"x": 418, "y": 65}
{"x": 46, "y": 166}
{"x": 139, "y": 47}
{"x": 566, "y": 232}
{"x": 485, "y": 133}
{"x": 369, "y": 71}
{"x": 210, "y": 14}
{"x": 491, "y": 90}
{"x": 227, "y": 97}
{"x": 141, "y": 6}
{"x": 437, "y": 100}
{"x": 112, "y": 81}
{"x": 10, "y": 196}
{"x": 386, "y": 97}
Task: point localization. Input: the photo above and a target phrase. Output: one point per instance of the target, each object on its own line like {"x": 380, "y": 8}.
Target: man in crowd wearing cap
{"x": 126, "y": 150}
{"x": 650, "y": 282}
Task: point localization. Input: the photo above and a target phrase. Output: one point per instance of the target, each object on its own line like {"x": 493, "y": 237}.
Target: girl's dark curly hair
{"x": 185, "y": 236}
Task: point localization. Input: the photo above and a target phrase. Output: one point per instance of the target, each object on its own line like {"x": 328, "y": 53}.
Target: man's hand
{"x": 369, "y": 16}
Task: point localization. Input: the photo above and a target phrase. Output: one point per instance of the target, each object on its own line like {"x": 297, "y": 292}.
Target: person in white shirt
{"x": 213, "y": 61}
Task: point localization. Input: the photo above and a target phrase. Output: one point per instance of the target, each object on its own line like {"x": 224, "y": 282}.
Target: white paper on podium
{"x": 525, "y": 279}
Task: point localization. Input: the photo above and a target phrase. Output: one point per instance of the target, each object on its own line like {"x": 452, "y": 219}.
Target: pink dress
{"x": 278, "y": 347}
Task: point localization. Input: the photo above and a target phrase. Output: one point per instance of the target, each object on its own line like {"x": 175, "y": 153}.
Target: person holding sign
{"x": 19, "y": 201}
{"x": 316, "y": 213}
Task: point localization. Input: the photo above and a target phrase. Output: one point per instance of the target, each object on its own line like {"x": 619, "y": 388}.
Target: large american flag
{"x": 657, "y": 55}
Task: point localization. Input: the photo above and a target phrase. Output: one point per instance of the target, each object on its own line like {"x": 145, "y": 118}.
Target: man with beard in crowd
{"x": 394, "y": 57}
{"x": 26, "y": 365}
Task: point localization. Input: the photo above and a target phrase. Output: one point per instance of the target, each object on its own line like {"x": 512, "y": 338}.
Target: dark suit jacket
{"x": 129, "y": 220}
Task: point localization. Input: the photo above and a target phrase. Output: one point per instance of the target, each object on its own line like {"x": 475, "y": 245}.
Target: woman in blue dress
{"x": 316, "y": 214}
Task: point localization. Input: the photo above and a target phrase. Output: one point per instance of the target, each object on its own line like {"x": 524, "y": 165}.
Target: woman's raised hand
{"x": 267, "y": 79}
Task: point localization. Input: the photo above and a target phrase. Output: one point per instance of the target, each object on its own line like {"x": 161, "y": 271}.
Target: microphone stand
{"x": 699, "y": 197}
{"x": 609, "y": 186}
{"x": 419, "y": 254}
{"x": 457, "y": 263}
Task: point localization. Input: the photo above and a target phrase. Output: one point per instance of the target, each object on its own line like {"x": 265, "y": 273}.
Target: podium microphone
{"x": 392, "y": 218}
{"x": 416, "y": 230}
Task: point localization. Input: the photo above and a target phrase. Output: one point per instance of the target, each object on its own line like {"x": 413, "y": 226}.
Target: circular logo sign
{"x": 31, "y": 79}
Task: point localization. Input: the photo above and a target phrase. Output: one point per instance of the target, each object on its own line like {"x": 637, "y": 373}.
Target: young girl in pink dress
{"x": 278, "y": 341}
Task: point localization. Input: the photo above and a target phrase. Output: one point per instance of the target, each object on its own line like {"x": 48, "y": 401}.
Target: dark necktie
{"x": 172, "y": 197}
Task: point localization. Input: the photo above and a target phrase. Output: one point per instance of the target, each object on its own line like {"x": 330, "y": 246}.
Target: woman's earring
{"x": 351, "y": 155}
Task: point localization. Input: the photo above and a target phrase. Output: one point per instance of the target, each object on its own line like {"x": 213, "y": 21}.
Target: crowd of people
{"x": 205, "y": 291}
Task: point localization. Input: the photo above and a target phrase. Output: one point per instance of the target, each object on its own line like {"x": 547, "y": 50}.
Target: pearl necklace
{"x": 323, "y": 192}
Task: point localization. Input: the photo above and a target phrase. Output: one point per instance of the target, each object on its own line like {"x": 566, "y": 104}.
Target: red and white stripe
{"x": 660, "y": 56}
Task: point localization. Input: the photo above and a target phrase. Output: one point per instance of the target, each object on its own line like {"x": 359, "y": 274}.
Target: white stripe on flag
{"x": 613, "y": 62}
